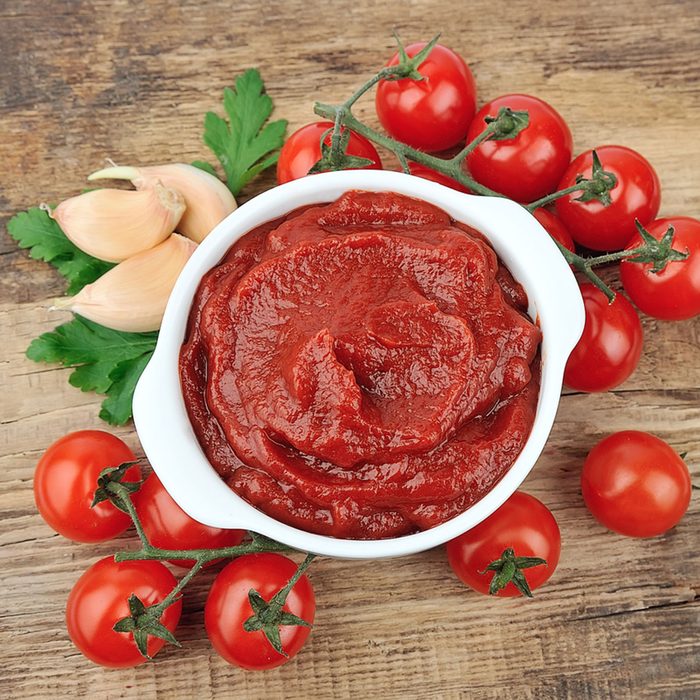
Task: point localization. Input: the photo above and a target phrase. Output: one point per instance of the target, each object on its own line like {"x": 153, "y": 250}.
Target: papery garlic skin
{"x": 113, "y": 225}
{"x": 132, "y": 295}
{"x": 207, "y": 199}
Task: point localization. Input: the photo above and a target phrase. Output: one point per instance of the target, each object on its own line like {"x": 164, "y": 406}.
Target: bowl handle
{"x": 172, "y": 460}
{"x": 561, "y": 285}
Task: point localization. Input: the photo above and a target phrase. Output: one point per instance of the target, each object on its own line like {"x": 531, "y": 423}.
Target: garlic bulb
{"x": 132, "y": 295}
{"x": 113, "y": 225}
{"x": 207, "y": 199}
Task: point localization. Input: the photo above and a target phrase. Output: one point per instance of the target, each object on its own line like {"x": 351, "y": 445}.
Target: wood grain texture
{"x": 85, "y": 80}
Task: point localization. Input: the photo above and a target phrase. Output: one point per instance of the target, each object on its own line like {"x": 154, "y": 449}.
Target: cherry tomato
{"x": 674, "y": 293}
{"x": 228, "y": 607}
{"x": 99, "y": 600}
{"x": 635, "y": 484}
{"x": 637, "y": 195}
{"x": 523, "y": 524}
{"x": 610, "y": 347}
{"x": 427, "y": 173}
{"x": 434, "y": 113}
{"x": 65, "y": 481}
{"x": 168, "y": 526}
{"x": 530, "y": 165}
{"x": 554, "y": 227}
{"x": 302, "y": 150}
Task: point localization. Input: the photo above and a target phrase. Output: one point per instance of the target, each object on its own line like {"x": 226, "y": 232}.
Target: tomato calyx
{"x": 508, "y": 123}
{"x": 407, "y": 67}
{"x": 657, "y": 252}
{"x": 596, "y": 187}
{"x": 508, "y": 569}
{"x": 115, "y": 475}
{"x": 144, "y": 621}
{"x": 268, "y": 616}
{"x": 334, "y": 156}
{"x": 599, "y": 185}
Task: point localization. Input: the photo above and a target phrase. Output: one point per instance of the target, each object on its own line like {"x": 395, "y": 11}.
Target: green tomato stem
{"x": 281, "y": 596}
{"x": 123, "y": 496}
{"x": 452, "y": 167}
{"x": 483, "y": 136}
{"x": 172, "y": 597}
{"x": 615, "y": 257}
{"x": 544, "y": 201}
{"x": 152, "y": 553}
{"x": 201, "y": 557}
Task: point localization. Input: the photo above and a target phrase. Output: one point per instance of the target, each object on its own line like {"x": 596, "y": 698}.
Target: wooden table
{"x": 82, "y": 81}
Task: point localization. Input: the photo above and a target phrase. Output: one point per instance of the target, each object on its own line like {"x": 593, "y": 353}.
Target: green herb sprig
{"x": 35, "y": 230}
{"x": 103, "y": 360}
{"x": 248, "y": 142}
{"x": 107, "y": 361}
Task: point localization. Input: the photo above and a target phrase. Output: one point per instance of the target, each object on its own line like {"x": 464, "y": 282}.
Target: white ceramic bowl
{"x": 159, "y": 410}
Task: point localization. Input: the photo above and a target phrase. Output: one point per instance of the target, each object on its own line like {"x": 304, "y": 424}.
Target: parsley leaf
{"x": 104, "y": 360}
{"x": 116, "y": 408}
{"x": 36, "y": 230}
{"x": 245, "y": 145}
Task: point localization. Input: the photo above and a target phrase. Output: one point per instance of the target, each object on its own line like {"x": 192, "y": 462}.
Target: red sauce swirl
{"x": 361, "y": 369}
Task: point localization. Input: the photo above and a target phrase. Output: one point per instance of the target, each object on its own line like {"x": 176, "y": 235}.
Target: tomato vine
{"x": 143, "y": 620}
{"x": 506, "y": 124}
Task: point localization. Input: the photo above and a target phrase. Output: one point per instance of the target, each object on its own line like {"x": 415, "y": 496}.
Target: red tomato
{"x": 635, "y": 484}
{"x": 228, "y": 607}
{"x": 302, "y": 150}
{"x": 522, "y": 524}
{"x": 674, "y": 293}
{"x": 554, "y": 227}
{"x": 610, "y": 347}
{"x": 427, "y": 173}
{"x": 99, "y": 600}
{"x": 65, "y": 481}
{"x": 637, "y": 195}
{"x": 168, "y": 526}
{"x": 434, "y": 113}
{"x": 530, "y": 165}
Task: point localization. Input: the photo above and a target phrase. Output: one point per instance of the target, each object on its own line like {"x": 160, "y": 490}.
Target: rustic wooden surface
{"x": 81, "y": 81}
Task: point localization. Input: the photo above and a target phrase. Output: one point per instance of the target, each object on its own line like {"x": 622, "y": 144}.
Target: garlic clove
{"x": 133, "y": 294}
{"x": 207, "y": 199}
{"x": 113, "y": 225}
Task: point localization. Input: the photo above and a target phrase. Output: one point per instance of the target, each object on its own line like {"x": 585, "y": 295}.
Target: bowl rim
{"x": 160, "y": 415}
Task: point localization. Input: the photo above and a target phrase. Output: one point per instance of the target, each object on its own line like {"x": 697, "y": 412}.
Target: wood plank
{"x": 83, "y": 81}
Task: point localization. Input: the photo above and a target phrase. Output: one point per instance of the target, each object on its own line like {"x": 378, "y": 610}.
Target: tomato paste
{"x": 361, "y": 369}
